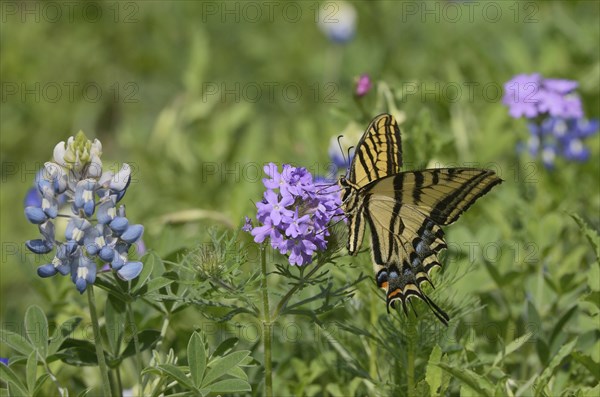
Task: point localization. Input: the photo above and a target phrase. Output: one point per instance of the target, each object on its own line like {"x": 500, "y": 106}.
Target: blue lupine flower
{"x": 75, "y": 176}
{"x": 294, "y": 213}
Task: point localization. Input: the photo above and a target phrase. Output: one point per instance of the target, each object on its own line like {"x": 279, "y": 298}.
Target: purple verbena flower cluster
{"x": 76, "y": 177}
{"x": 295, "y": 212}
{"x": 555, "y": 111}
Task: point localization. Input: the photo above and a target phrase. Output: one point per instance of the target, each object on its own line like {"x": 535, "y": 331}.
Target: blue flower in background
{"x": 295, "y": 212}
{"x": 4, "y": 360}
{"x": 338, "y": 25}
{"x": 556, "y": 136}
{"x": 76, "y": 177}
{"x": 557, "y": 125}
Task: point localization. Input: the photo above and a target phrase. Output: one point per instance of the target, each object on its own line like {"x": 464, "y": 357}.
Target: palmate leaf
{"x": 36, "y": 327}
{"x": 219, "y": 373}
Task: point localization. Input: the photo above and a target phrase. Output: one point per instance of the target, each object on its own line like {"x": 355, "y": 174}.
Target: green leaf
{"x": 561, "y": 323}
{"x": 62, "y": 333}
{"x": 197, "y": 356}
{"x": 433, "y": 376}
{"x": 238, "y": 373}
{"x": 177, "y": 374}
{"x": 153, "y": 285}
{"x": 31, "y": 371}
{"x": 594, "y": 277}
{"x": 147, "y": 339}
{"x": 591, "y": 235}
{"x": 588, "y": 363}
{"x": 85, "y": 392}
{"x": 549, "y": 371}
{"x": 511, "y": 347}
{"x": 222, "y": 365}
{"x": 114, "y": 315}
{"x": 16, "y": 341}
{"x": 230, "y": 386}
{"x": 148, "y": 267}
{"x": 39, "y": 383}
{"x": 7, "y": 375}
{"x": 472, "y": 380}
{"x": 225, "y": 347}
{"x": 36, "y": 328}
{"x": 593, "y": 297}
{"x": 78, "y": 352}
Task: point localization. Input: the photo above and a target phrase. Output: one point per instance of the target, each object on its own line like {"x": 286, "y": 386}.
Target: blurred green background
{"x": 198, "y": 96}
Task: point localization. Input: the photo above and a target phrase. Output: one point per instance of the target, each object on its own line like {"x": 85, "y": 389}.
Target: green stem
{"x": 98, "y": 343}
{"x": 136, "y": 344}
{"x": 267, "y": 330}
{"x": 291, "y": 292}
{"x": 410, "y": 368}
{"x": 372, "y": 342}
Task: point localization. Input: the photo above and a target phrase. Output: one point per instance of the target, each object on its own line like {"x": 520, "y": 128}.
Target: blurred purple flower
{"x": 294, "y": 213}
{"x": 363, "y": 85}
{"x": 531, "y": 96}
{"x": 4, "y": 360}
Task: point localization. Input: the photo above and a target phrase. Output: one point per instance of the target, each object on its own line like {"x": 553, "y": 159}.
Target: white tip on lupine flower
{"x": 96, "y": 148}
{"x": 120, "y": 179}
{"x": 59, "y": 153}
{"x": 94, "y": 169}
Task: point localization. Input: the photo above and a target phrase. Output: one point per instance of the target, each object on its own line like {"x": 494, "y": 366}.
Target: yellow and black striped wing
{"x": 378, "y": 153}
{"x": 404, "y": 213}
{"x": 441, "y": 194}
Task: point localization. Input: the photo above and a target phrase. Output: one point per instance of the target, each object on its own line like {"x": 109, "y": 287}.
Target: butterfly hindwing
{"x": 404, "y": 211}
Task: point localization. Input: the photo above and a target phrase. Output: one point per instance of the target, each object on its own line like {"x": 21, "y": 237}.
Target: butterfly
{"x": 404, "y": 211}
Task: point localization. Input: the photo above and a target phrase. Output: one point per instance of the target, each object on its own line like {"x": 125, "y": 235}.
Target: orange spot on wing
{"x": 394, "y": 293}
{"x": 385, "y": 285}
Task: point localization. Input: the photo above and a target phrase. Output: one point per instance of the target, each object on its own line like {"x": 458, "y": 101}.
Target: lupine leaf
{"x": 61, "y": 333}
{"x": 36, "y": 327}
{"x": 147, "y": 269}
{"x": 16, "y": 341}
{"x": 146, "y": 338}
{"x": 7, "y": 375}
{"x": 31, "y": 371}
{"x": 230, "y": 386}
{"x": 177, "y": 374}
{"x": 197, "y": 356}
{"x": 221, "y": 366}
{"x": 39, "y": 382}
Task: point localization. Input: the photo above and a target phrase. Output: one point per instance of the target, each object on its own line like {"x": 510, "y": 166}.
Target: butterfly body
{"x": 404, "y": 211}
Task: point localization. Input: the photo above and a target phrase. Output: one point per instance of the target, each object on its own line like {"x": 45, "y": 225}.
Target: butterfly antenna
{"x": 340, "y": 146}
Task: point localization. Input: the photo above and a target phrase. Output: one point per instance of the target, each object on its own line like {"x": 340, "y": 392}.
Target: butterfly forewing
{"x": 404, "y": 210}
{"x": 378, "y": 153}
